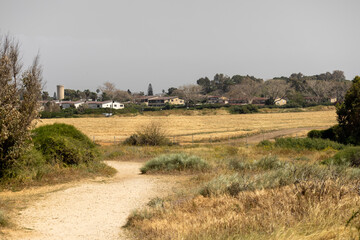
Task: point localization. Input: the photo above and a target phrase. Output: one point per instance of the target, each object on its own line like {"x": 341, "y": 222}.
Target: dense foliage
{"x": 349, "y": 157}
{"x": 349, "y": 113}
{"x": 64, "y": 144}
{"x": 18, "y": 102}
{"x": 174, "y": 162}
{"x": 302, "y": 144}
{"x": 243, "y": 109}
{"x": 348, "y": 129}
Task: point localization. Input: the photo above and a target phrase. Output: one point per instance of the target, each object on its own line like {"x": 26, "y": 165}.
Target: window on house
{"x": 114, "y": 105}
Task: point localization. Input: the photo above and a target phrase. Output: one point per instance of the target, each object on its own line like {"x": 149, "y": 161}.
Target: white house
{"x": 105, "y": 104}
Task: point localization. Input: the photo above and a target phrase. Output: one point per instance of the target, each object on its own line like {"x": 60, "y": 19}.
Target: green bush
{"x": 348, "y": 157}
{"x": 269, "y": 162}
{"x": 226, "y": 184}
{"x": 315, "y": 134}
{"x": 29, "y": 164}
{"x": 149, "y": 135}
{"x": 307, "y": 144}
{"x": 243, "y": 109}
{"x": 132, "y": 140}
{"x": 266, "y": 163}
{"x": 174, "y": 162}
{"x": 237, "y": 164}
{"x": 265, "y": 143}
{"x": 62, "y": 143}
{"x": 335, "y": 133}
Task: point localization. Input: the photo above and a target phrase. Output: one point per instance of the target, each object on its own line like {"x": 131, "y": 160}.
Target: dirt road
{"x": 279, "y": 133}
{"x": 94, "y": 210}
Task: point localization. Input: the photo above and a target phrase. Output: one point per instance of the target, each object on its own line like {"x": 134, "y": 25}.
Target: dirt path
{"x": 94, "y": 210}
{"x": 291, "y": 132}
{"x": 279, "y": 133}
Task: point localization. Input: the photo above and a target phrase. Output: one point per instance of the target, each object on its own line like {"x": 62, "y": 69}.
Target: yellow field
{"x": 186, "y": 128}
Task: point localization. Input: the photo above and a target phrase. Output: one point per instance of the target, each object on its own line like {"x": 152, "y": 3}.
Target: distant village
{"x": 297, "y": 90}
{"x": 161, "y": 101}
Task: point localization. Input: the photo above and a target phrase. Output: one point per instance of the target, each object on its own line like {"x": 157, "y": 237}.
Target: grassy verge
{"x": 175, "y": 162}
{"x": 260, "y": 192}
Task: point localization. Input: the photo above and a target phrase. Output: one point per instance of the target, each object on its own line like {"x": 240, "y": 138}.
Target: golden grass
{"x": 309, "y": 211}
{"x": 197, "y": 128}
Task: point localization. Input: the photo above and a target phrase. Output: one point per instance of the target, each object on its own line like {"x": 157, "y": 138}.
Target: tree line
{"x": 295, "y": 87}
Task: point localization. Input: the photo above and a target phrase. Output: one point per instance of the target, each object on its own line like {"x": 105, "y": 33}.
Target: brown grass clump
{"x": 312, "y": 210}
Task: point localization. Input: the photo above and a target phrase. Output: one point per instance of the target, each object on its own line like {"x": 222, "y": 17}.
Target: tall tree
{"x": 16, "y": 116}
{"x": 349, "y": 113}
{"x": 248, "y": 90}
{"x": 150, "y": 90}
{"x": 276, "y": 88}
{"x": 108, "y": 90}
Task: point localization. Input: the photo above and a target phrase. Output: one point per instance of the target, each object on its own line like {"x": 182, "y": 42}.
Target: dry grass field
{"x": 197, "y": 127}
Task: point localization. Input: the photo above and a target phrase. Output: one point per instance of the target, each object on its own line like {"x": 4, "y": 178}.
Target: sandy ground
{"x": 90, "y": 210}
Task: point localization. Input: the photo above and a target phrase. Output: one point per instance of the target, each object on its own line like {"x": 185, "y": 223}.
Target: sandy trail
{"x": 94, "y": 210}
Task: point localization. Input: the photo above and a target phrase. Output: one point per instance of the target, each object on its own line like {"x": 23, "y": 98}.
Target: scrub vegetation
{"x": 255, "y": 192}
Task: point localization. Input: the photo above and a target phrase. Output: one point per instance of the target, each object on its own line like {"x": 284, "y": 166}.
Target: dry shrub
{"x": 318, "y": 207}
{"x": 152, "y": 134}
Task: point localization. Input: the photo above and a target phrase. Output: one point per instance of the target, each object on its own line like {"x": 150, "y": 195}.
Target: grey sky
{"x": 171, "y": 43}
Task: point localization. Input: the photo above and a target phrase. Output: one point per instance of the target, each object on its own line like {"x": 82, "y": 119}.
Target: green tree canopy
{"x": 349, "y": 113}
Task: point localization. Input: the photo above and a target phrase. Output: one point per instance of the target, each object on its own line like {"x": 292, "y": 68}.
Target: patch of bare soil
{"x": 90, "y": 210}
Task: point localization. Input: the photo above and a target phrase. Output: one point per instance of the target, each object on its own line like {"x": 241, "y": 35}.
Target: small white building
{"x": 105, "y": 104}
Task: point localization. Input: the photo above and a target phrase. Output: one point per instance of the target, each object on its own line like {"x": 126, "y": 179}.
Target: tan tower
{"x": 60, "y": 92}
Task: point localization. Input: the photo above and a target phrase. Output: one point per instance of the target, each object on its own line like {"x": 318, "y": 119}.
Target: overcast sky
{"x": 168, "y": 43}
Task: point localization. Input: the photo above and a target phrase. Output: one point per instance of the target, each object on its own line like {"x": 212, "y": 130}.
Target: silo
{"x": 60, "y": 92}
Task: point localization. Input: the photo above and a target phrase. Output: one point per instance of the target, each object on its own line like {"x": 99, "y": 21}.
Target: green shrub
{"x": 29, "y": 165}
{"x": 226, "y": 184}
{"x": 335, "y": 133}
{"x": 315, "y": 134}
{"x": 348, "y": 157}
{"x": 149, "y": 135}
{"x": 175, "y": 162}
{"x": 265, "y": 143}
{"x": 132, "y": 140}
{"x": 243, "y": 109}
{"x": 61, "y": 143}
{"x": 266, "y": 163}
{"x": 307, "y": 144}
{"x": 237, "y": 164}
{"x": 269, "y": 162}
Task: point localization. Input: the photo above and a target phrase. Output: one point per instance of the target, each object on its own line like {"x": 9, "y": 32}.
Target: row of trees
{"x": 320, "y": 86}
{"x": 295, "y": 88}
